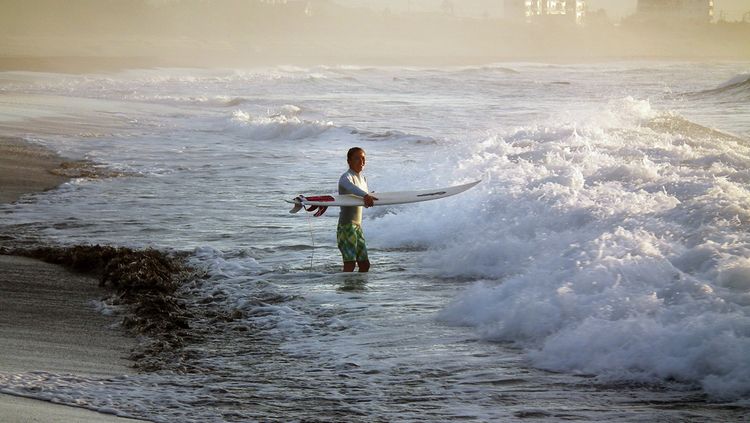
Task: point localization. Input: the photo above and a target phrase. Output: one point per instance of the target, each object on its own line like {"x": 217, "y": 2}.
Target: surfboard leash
{"x": 312, "y": 240}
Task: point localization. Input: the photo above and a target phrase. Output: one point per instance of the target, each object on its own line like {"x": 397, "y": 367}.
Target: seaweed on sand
{"x": 145, "y": 281}
{"x": 87, "y": 169}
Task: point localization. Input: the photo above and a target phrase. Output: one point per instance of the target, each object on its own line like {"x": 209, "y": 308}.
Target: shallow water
{"x": 600, "y": 271}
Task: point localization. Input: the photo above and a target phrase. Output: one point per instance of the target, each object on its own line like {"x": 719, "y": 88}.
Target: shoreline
{"x": 47, "y": 321}
{"x": 79, "y": 65}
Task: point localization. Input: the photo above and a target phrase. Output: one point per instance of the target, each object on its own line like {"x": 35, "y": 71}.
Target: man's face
{"x": 357, "y": 161}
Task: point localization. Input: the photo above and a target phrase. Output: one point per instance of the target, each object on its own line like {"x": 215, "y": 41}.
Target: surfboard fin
{"x": 297, "y": 204}
{"x": 320, "y": 211}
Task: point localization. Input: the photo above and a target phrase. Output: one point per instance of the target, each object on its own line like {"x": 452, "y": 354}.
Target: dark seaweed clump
{"x": 87, "y": 169}
{"x": 146, "y": 281}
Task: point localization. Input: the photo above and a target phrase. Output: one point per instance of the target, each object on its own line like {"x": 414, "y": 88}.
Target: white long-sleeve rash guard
{"x": 352, "y": 183}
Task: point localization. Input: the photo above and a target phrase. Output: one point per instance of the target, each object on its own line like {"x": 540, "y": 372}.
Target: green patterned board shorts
{"x": 351, "y": 241}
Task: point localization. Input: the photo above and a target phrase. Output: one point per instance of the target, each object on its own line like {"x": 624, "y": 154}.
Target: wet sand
{"x": 25, "y": 168}
{"x": 47, "y": 320}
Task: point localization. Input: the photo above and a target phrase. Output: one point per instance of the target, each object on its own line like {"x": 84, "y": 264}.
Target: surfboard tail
{"x": 300, "y": 203}
{"x": 297, "y": 201}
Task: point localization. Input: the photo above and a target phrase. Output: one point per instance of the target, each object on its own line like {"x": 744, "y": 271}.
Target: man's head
{"x": 356, "y": 159}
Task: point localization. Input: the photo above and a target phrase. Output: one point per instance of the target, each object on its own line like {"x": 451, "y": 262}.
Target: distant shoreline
{"x": 93, "y": 64}
{"x": 73, "y": 64}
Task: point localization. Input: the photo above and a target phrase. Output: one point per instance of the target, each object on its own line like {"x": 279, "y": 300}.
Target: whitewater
{"x": 600, "y": 271}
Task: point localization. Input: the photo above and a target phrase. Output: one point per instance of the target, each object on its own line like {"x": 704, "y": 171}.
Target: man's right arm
{"x": 346, "y": 183}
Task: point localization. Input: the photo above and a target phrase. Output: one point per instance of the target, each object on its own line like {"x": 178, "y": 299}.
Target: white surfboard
{"x": 322, "y": 202}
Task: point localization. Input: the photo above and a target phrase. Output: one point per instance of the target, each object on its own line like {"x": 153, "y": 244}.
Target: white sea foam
{"x": 106, "y": 307}
{"x": 602, "y": 252}
{"x": 280, "y": 126}
{"x": 216, "y": 264}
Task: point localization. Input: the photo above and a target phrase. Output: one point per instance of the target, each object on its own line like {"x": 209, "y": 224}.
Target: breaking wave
{"x": 616, "y": 247}
{"x": 285, "y": 124}
{"x": 735, "y": 89}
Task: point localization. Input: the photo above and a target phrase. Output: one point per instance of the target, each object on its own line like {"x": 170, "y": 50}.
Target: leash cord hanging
{"x": 312, "y": 240}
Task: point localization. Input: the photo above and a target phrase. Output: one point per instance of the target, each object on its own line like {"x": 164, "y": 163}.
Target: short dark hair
{"x": 353, "y": 151}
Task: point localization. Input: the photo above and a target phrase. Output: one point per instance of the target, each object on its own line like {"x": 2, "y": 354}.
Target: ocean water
{"x": 601, "y": 270}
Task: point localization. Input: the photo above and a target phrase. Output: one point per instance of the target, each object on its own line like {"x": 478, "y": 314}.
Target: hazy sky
{"x": 733, "y": 9}
{"x": 239, "y": 33}
{"x": 616, "y": 9}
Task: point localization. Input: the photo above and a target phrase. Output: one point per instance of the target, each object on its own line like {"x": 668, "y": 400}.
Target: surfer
{"x": 349, "y": 235}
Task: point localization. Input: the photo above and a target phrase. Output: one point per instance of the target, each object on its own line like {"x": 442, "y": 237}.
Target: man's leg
{"x": 346, "y": 239}
{"x": 351, "y": 243}
{"x": 362, "y": 260}
{"x": 364, "y": 266}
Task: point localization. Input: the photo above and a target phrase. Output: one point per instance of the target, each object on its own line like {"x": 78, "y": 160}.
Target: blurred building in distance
{"x": 573, "y": 11}
{"x": 680, "y": 11}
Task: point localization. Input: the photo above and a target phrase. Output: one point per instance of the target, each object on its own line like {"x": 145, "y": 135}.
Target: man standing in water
{"x": 349, "y": 235}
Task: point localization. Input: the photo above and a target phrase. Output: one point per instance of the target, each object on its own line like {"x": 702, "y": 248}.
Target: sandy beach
{"x": 25, "y": 168}
{"x": 47, "y": 320}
